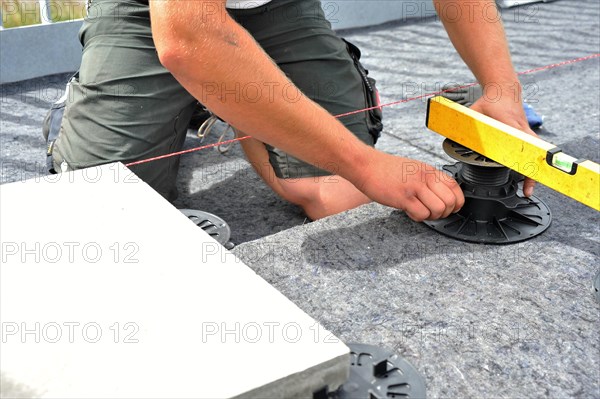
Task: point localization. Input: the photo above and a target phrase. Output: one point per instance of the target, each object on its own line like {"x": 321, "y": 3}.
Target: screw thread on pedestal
{"x": 481, "y": 175}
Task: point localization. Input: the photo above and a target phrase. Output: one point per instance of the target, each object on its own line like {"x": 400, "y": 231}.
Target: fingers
{"x": 416, "y": 210}
{"x": 424, "y": 194}
{"x": 528, "y": 185}
{"x": 456, "y": 191}
{"x": 434, "y": 200}
{"x": 447, "y": 197}
{"x": 434, "y": 204}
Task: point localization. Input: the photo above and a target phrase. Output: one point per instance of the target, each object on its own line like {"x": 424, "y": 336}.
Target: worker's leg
{"x": 125, "y": 105}
{"x": 300, "y": 40}
{"x": 318, "y": 196}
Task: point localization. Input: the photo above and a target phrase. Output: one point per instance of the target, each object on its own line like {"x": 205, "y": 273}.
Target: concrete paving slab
{"x": 116, "y": 294}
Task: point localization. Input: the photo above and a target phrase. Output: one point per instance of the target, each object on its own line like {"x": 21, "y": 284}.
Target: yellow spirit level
{"x": 519, "y": 151}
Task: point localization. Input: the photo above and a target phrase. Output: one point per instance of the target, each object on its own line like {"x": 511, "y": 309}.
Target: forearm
{"x": 479, "y": 37}
{"x": 221, "y": 65}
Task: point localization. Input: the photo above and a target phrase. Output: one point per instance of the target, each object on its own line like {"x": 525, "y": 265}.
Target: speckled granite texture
{"x": 477, "y": 321}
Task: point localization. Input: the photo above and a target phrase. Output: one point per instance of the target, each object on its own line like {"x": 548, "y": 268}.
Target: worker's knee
{"x": 302, "y": 192}
{"x": 310, "y": 194}
{"x": 322, "y": 196}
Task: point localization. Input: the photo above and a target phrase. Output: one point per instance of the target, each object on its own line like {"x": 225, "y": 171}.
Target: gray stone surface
{"x": 477, "y": 321}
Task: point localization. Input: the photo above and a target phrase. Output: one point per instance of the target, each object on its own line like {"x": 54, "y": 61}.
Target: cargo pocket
{"x": 52, "y": 125}
{"x": 375, "y": 115}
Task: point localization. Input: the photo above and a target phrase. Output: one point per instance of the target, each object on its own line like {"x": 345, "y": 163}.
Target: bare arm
{"x": 478, "y": 36}
{"x": 204, "y": 48}
{"x": 215, "y": 59}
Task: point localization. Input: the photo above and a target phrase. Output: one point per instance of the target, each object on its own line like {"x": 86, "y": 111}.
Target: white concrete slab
{"x": 107, "y": 291}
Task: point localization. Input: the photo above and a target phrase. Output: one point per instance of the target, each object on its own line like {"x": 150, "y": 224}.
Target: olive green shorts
{"x": 125, "y": 106}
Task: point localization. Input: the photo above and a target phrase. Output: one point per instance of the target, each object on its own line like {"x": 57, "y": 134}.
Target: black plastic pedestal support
{"x": 494, "y": 212}
{"x": 377, "y": 373}
{"x": 216, "y": 227}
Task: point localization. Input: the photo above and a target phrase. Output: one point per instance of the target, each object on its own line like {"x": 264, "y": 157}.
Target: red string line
{"x": 533, "y": 70}
{"x": 186, "y": 151}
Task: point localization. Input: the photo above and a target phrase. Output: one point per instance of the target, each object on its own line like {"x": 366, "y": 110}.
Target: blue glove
{"x": 533, "y": 118}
